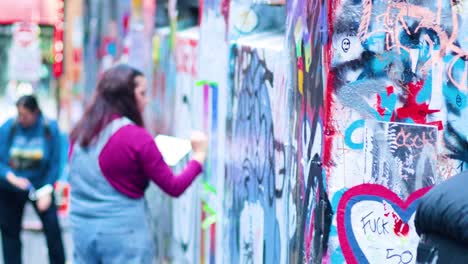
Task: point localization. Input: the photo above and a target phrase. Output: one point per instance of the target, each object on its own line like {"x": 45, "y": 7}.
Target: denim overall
{"x": 107, "y": 226}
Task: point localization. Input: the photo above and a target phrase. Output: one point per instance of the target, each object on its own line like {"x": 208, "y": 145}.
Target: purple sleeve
{"x": 158, "y": 171}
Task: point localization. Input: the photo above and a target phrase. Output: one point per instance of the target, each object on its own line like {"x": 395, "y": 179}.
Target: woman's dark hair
{"x": 29, "y": 102}
{"x": 114, "y": 95}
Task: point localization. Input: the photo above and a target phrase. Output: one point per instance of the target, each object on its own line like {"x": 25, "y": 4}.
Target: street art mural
{"x": 116, "y": 32}
{"x": 409, "y": 71}
{"x": 162, "y": 92}
{"x": 247, "y": 17}
{"x": 376, "y": 226}
{"x": 160, "y": 208}
{"x": 307, "y": 34}
{"x": 189, "y": 108}
{"x": 396, "y": 94}
{"x": 213, "y": 56}
{"x": 401, "y": 156}
{"x": 185, "y": 211}
{"x": 188, "y": 100}
{"x": 252, "y": 200}
{"x": 325, "y": 128}
{"x": 177, "y": 107}
{"x": 209, "y": 191}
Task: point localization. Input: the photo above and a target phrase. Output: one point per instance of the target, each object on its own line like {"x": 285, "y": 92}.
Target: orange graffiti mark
{"x": 407, "y": 139}
{"x": 366, "y": 20}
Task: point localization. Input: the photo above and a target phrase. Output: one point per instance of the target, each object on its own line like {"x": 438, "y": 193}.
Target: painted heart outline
{"x": 369, "y": 192}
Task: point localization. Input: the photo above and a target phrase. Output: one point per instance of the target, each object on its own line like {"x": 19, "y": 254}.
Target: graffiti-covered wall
{"x": 334, "y": 133}
{"x": 327, "y": 120}
{"x": 256, "y": 193}
{"x": 307, "y": 36}
{"x": 396, "y": 101}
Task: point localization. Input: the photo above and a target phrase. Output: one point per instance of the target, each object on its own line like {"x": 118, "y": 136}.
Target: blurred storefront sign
{"x": 25, "y": 53}
{"x": 42, "y": 12}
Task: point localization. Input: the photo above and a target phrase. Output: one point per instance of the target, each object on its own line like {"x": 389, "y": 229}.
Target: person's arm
{"x": 53, "y": 168}
{"x": 4, "y": 149}
{"x": 160, "y": 173}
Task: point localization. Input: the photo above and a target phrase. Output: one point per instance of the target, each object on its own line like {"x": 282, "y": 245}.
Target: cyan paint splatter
{"x": 336, "y": 255}
{"x": 389, "y": 100}
{"x": 426, "y": 91}
{"x": 454, "y": 97}
{"x": 349, "y": 133}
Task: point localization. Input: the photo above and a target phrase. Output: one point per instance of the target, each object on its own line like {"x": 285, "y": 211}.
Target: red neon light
{"x": 58, "y": 43}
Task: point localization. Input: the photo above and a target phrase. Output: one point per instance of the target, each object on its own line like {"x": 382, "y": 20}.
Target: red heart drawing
{"x": 376, "y": 226}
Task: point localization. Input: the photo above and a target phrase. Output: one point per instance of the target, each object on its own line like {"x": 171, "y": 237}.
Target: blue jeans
{"x": 96, "y": 244}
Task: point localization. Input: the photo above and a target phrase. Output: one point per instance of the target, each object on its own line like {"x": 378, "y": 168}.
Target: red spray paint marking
{"x": 225, "y": 12}
{"x": 329, "y": 130}
{"x": 380, "y": 109}
{"x": 300, "y": 64}
{"x": 417, "y": 112}
{"x": 126, "y": 22}
{"x": 400, "y": 228}
{"x": 200, "y": 12}
{"x": 390, "y": 90}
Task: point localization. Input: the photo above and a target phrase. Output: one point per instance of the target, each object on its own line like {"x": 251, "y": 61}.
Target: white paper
{"x": 173, "y": 149}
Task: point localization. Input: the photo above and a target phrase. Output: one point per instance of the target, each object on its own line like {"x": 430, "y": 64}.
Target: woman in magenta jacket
{"x": 112, "y": 160}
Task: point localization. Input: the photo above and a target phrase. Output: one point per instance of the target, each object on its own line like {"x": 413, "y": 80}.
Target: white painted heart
{"x": 376, "y": 226}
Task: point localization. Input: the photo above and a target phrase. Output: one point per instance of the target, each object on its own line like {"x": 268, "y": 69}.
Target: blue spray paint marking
{"x": 408, "y": 120}
{"x": 425, "y": 93}
{"x": 336, "y": 255}
{"x": 112, "y": 49}
{"x": 349, "y": 133}
{"x": 214, "y": 127}
{"x": 379, "y": 65}
{"x": 454, "y": 97}
{"x": 214, "y": 108}
{"x": 250, "y": 171}
{"x": 211, "y": 88}
{"x": 375, "y": 42}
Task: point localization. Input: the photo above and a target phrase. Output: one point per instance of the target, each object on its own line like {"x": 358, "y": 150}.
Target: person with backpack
{"x": 29, "y": 167}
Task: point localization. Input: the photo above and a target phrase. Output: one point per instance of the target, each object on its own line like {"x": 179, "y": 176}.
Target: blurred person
{"x": 29, "y": 167}
{"x": 442, "y": 223}
{"x": 112, "y": 159}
